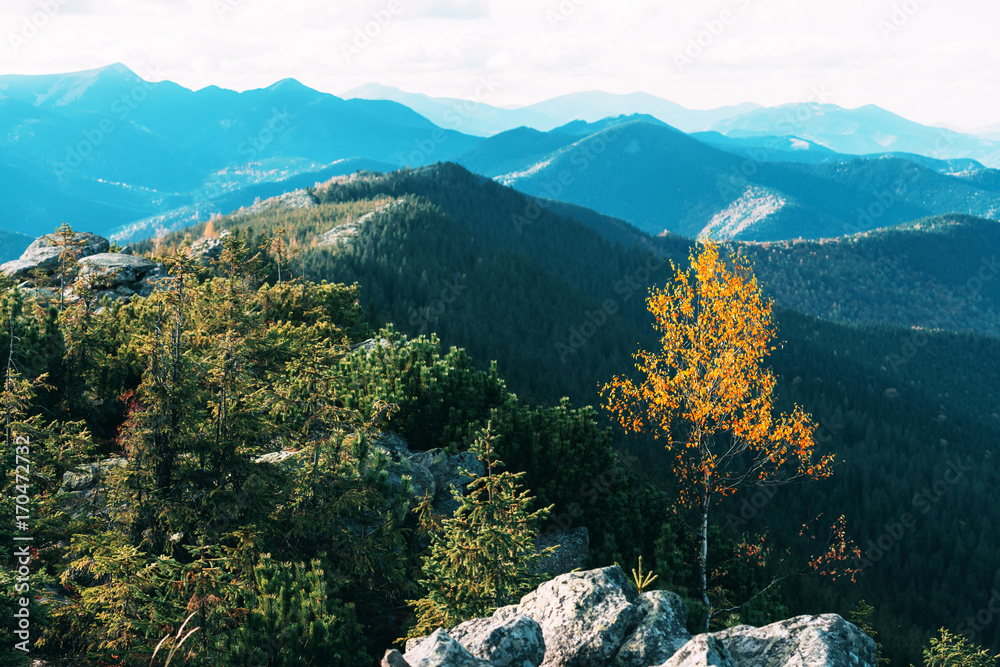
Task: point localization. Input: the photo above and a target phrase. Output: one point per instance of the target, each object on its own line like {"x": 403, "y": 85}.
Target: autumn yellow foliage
{"x": 709, "y": 394}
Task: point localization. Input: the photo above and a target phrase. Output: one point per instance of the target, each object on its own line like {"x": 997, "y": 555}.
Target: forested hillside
{"x": 934, "y": 273}
{"x": 560, "y": 307}
{"x": 223, "y": 450}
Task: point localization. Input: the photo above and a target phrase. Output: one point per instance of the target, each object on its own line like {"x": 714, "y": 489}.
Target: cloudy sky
{"x": 930, "y": 60}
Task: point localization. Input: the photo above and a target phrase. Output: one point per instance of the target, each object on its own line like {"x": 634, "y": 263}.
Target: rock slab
{"x": 596, "y": 619}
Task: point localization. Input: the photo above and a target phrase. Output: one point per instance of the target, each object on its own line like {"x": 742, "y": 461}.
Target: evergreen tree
{"x": 485, "y": 555}
{"x": 948, "y": 650}
{"x": 296, "y": 619}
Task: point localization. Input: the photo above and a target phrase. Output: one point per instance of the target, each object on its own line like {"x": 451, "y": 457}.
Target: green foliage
{"x": 642, "y": 581}
{"x": 931, "y": 273}
{"x": 446, "y": 257}
{"x": 442, "y": 400}
{"x": 484, "y": 557}
{"x": 295, "y": 618}
{"x": 863, "y": 616}
{"x": 948, "y": 650}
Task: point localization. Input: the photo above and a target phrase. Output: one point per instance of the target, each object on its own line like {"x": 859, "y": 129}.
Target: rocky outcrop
{"x": 585, "y": 616}
{"x": 45, "y": 251}
{"x": 18, "y": 269}
{"x": 43, "y": 254}
{"x": 293, "y": 199}
{"x": 120, "y": 276}
{"x": 207, "y": 252}
{"x": 702, "y": 651}
{"x": 516, "y": 641}
{"x": 115, "y": 275}
{"x": 83, "y": 488}
{"x": 660, "y": 634}
{"x": 805, "y": 640}
{"x": 596, "y": 619}
{"x": 432, "y": 472}
{"x": 440, "y": 649}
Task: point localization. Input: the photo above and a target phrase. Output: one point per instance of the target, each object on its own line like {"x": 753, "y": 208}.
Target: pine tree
{"x": 69, "y": 251}
{"x": 293, "y": 605}
{"x": 948, "y": 650}
{"x": 485, "y": 557}
{"x": 862, "y": 616}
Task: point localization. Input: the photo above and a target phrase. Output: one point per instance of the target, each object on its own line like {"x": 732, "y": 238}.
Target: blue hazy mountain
{"x": 478, "y": 117}
{"x": 865, "y": 130}
{"x": 660, "y": 179}
{"x": 469, "y": 116}
{"x": 102, "y": 148}
{"x": 595, "y": 105}
{"x": 795, "y": 149}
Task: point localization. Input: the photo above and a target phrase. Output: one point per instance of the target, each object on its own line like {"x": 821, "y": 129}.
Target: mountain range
{"x": 898, "y": 374}
{"x": 107, "y": 150}
{"x": 660, "y": 179}
{"x": 479, "y": 118}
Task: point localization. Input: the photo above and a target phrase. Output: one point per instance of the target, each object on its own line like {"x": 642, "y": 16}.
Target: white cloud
{"x": 938, "y": 66}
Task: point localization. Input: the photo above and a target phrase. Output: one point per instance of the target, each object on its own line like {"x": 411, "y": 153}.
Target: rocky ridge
{"x": 596, "y": 619}
{"x": 115, "y": 275}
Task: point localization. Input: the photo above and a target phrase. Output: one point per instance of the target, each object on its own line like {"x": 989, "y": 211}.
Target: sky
{"x": 932, "y": 61}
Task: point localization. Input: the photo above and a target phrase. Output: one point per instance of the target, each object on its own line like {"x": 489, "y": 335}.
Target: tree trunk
{"x": 704, "y": 560}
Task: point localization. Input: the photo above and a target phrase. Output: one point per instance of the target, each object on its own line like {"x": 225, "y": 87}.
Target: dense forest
{"x": 500, "y": 306}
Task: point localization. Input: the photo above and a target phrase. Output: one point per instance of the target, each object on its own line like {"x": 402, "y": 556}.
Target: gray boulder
{"x": 207, "y": 251}
{"x": 18, "y": 269}
{"x": 449, "y": 473}
{"x": 595, "y": 619}
{"x": 453, "y": 472}
{"x": 401, "y": 464}
{"x": 86, "y": 478}
{"x": 585, "y": 616}
{"x": 826, "y": 640}
{"x": 440, "y": 650}
{"x": 393, "y": 658}
{"x": 153, "y": 279}
{"x": 44, "y": 251}
{"x": 702, "y": 651}
{"x": 504, "y": 642}
{"x": 295, "y": 458}
{"x": 661, "y": 632}
{"x": 83, "y": 488}
{"x": 111, "y": 270}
